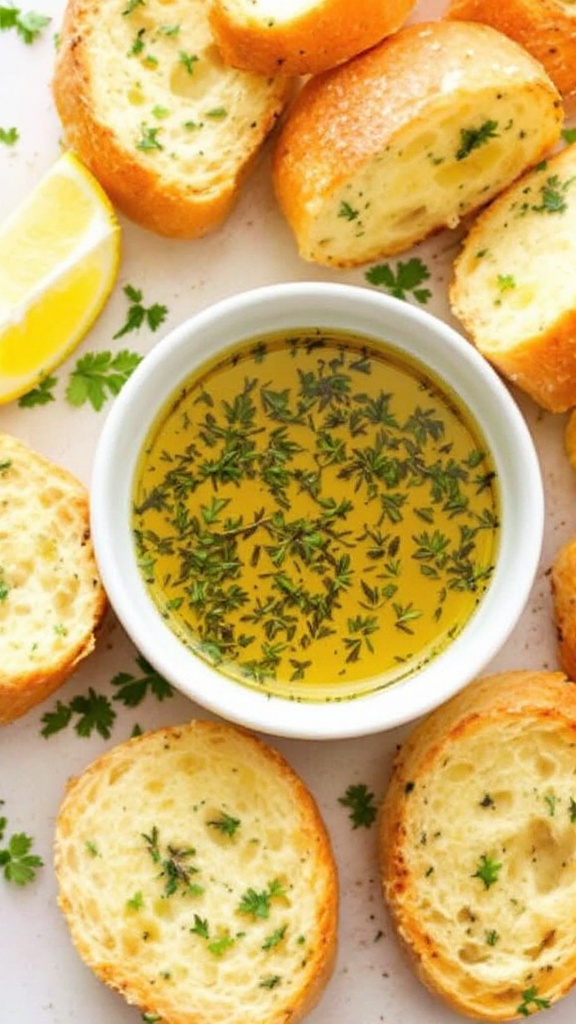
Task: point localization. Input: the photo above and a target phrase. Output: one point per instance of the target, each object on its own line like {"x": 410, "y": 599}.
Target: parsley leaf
{"x": 40, "y": 395}
{"x": 94, "y": 711}
{"x": 97, "y": 375}
{"x": 361, "y": 803}
{"x": 488, "y": 870}
{"x": 28, "y": 25}
{"x": 472, "y": 138}
{"x": 569, "y": 135}
{"x": 18, "y": 864}
{"x": 132, "y": 690}
{"x": 154, "y": 315}
{"x": 530, "y": 998}
{"x": 553, "y": 194}
{"x": 9, "y": 136}
{"x": 405, "y": 279}
{"x": 257, "y": 904}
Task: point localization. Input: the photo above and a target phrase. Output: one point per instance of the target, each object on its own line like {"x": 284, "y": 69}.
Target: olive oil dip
{"x": 316, "y": 514}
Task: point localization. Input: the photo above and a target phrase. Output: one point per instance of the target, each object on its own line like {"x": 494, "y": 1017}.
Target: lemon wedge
{"x": 59, "y": 258}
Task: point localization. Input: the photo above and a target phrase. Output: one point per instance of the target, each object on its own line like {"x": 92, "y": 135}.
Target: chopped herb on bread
{"x": 477, "y": 840}
{"x": 197, "y": 878}
{"x": 408, "y": 138}
{"x": 146, "y": 102}
{"x": 514, "y": 288}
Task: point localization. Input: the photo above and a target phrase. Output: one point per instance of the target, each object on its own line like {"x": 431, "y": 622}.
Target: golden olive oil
{"x": 316, "y": 515}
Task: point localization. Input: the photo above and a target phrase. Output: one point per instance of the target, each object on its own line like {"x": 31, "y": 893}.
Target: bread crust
{"x": 53, "y": 600}
{"x": 546, "y": 28}
{"x": 162, "y": 793}
{"x": 563, "y": 583}
{"x": 525, "y": 328}
{"x": 102, "y": 104}
{"x": 367, "y": 162}
{"x": 489, "y": 773}
{"x": 324, "y": 34}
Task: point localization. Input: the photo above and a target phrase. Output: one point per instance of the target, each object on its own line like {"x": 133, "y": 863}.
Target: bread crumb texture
{"x": 478, "y": 845}
{"x": 547, "y": 28}
{"x": 304, "y": 36}
{"x": 514, "y": 288}
{"x": 51, "y": 596}
{"x": 197, "y": 878}
{"x": 408, "y": 138}
{"x": 147, "y": 103}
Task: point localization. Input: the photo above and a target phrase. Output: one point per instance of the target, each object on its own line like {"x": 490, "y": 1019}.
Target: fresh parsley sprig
{"x": 99, "y": 375}
{"x": 403, "y": 281}
{"x": 138, "y": 314}
{"x": 94, "y": 712}
{"x": 360, "y": 801}
{"x": 28, "y": 24}
{"x": 18, "y": 865}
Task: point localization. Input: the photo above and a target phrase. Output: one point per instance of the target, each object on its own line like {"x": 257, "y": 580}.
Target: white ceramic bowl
{"x": 412, "y": 331}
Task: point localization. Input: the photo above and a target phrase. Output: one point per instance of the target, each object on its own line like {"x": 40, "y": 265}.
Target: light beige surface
{"x": 488, "y": 780}
{"x": 372, "y": 978}
{"x": 152, "y": 886}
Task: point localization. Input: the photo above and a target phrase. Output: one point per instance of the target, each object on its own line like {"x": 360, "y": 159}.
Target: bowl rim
{"x": 453, "y": 359}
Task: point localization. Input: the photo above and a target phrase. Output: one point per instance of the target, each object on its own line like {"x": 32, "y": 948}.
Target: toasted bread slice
{"x": 306, "y": 37}
{"x": 563, "y": 582}
{"x": 477, "y": 844}
{"x": 546, "y": 28}
{"x": 514, "y": 288}
{"x": 146, "y": 102}
{"x": 408, "y": 138}
{"x": 51, "y": 595}
{"x": 197, "y": 877}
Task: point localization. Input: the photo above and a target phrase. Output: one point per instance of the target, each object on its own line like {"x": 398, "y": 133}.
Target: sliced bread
{"x": 146, "y": 102}
{"x": 546, "y": 28}
{"x": 51, "y": 596}
{"x": 514, "y": 287}
{"x": 197, "y": 877}
{"x": 563, "y": 582}
{"x": 301, "y": 38}
{"x": 477, "y": 844}
{"x": 409, "y": 137}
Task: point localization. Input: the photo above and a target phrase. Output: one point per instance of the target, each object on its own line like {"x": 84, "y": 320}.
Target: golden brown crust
{"x": 53, "y": 599}
{"x": 320, "y": 37}
{"x": 526, "y": 330}
{"x": 563, "y": 582}
{"x": 488, "y": 775}
{"x": 178, "y": 781}
{"x": 95, "y": 82}
{"x": 370, "y": 150}
{"x": 546, "y": 28}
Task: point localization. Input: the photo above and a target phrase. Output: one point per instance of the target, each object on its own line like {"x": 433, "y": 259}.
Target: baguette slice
{"x": 197, "y": 878}
{"x": 514, "y": 287}
{"x": 408, "y": 138}
{"x": 546, "y": 28}
{"x": 147, "y": 104}
{"x": 477, "y": 844}
{"x": 563, "y": 583}
{"x": 306, "y": 37}
{"x": 51, "y": 596}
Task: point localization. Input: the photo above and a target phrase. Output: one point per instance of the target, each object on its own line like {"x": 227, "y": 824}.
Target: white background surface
{"x": 42, "y": 980}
